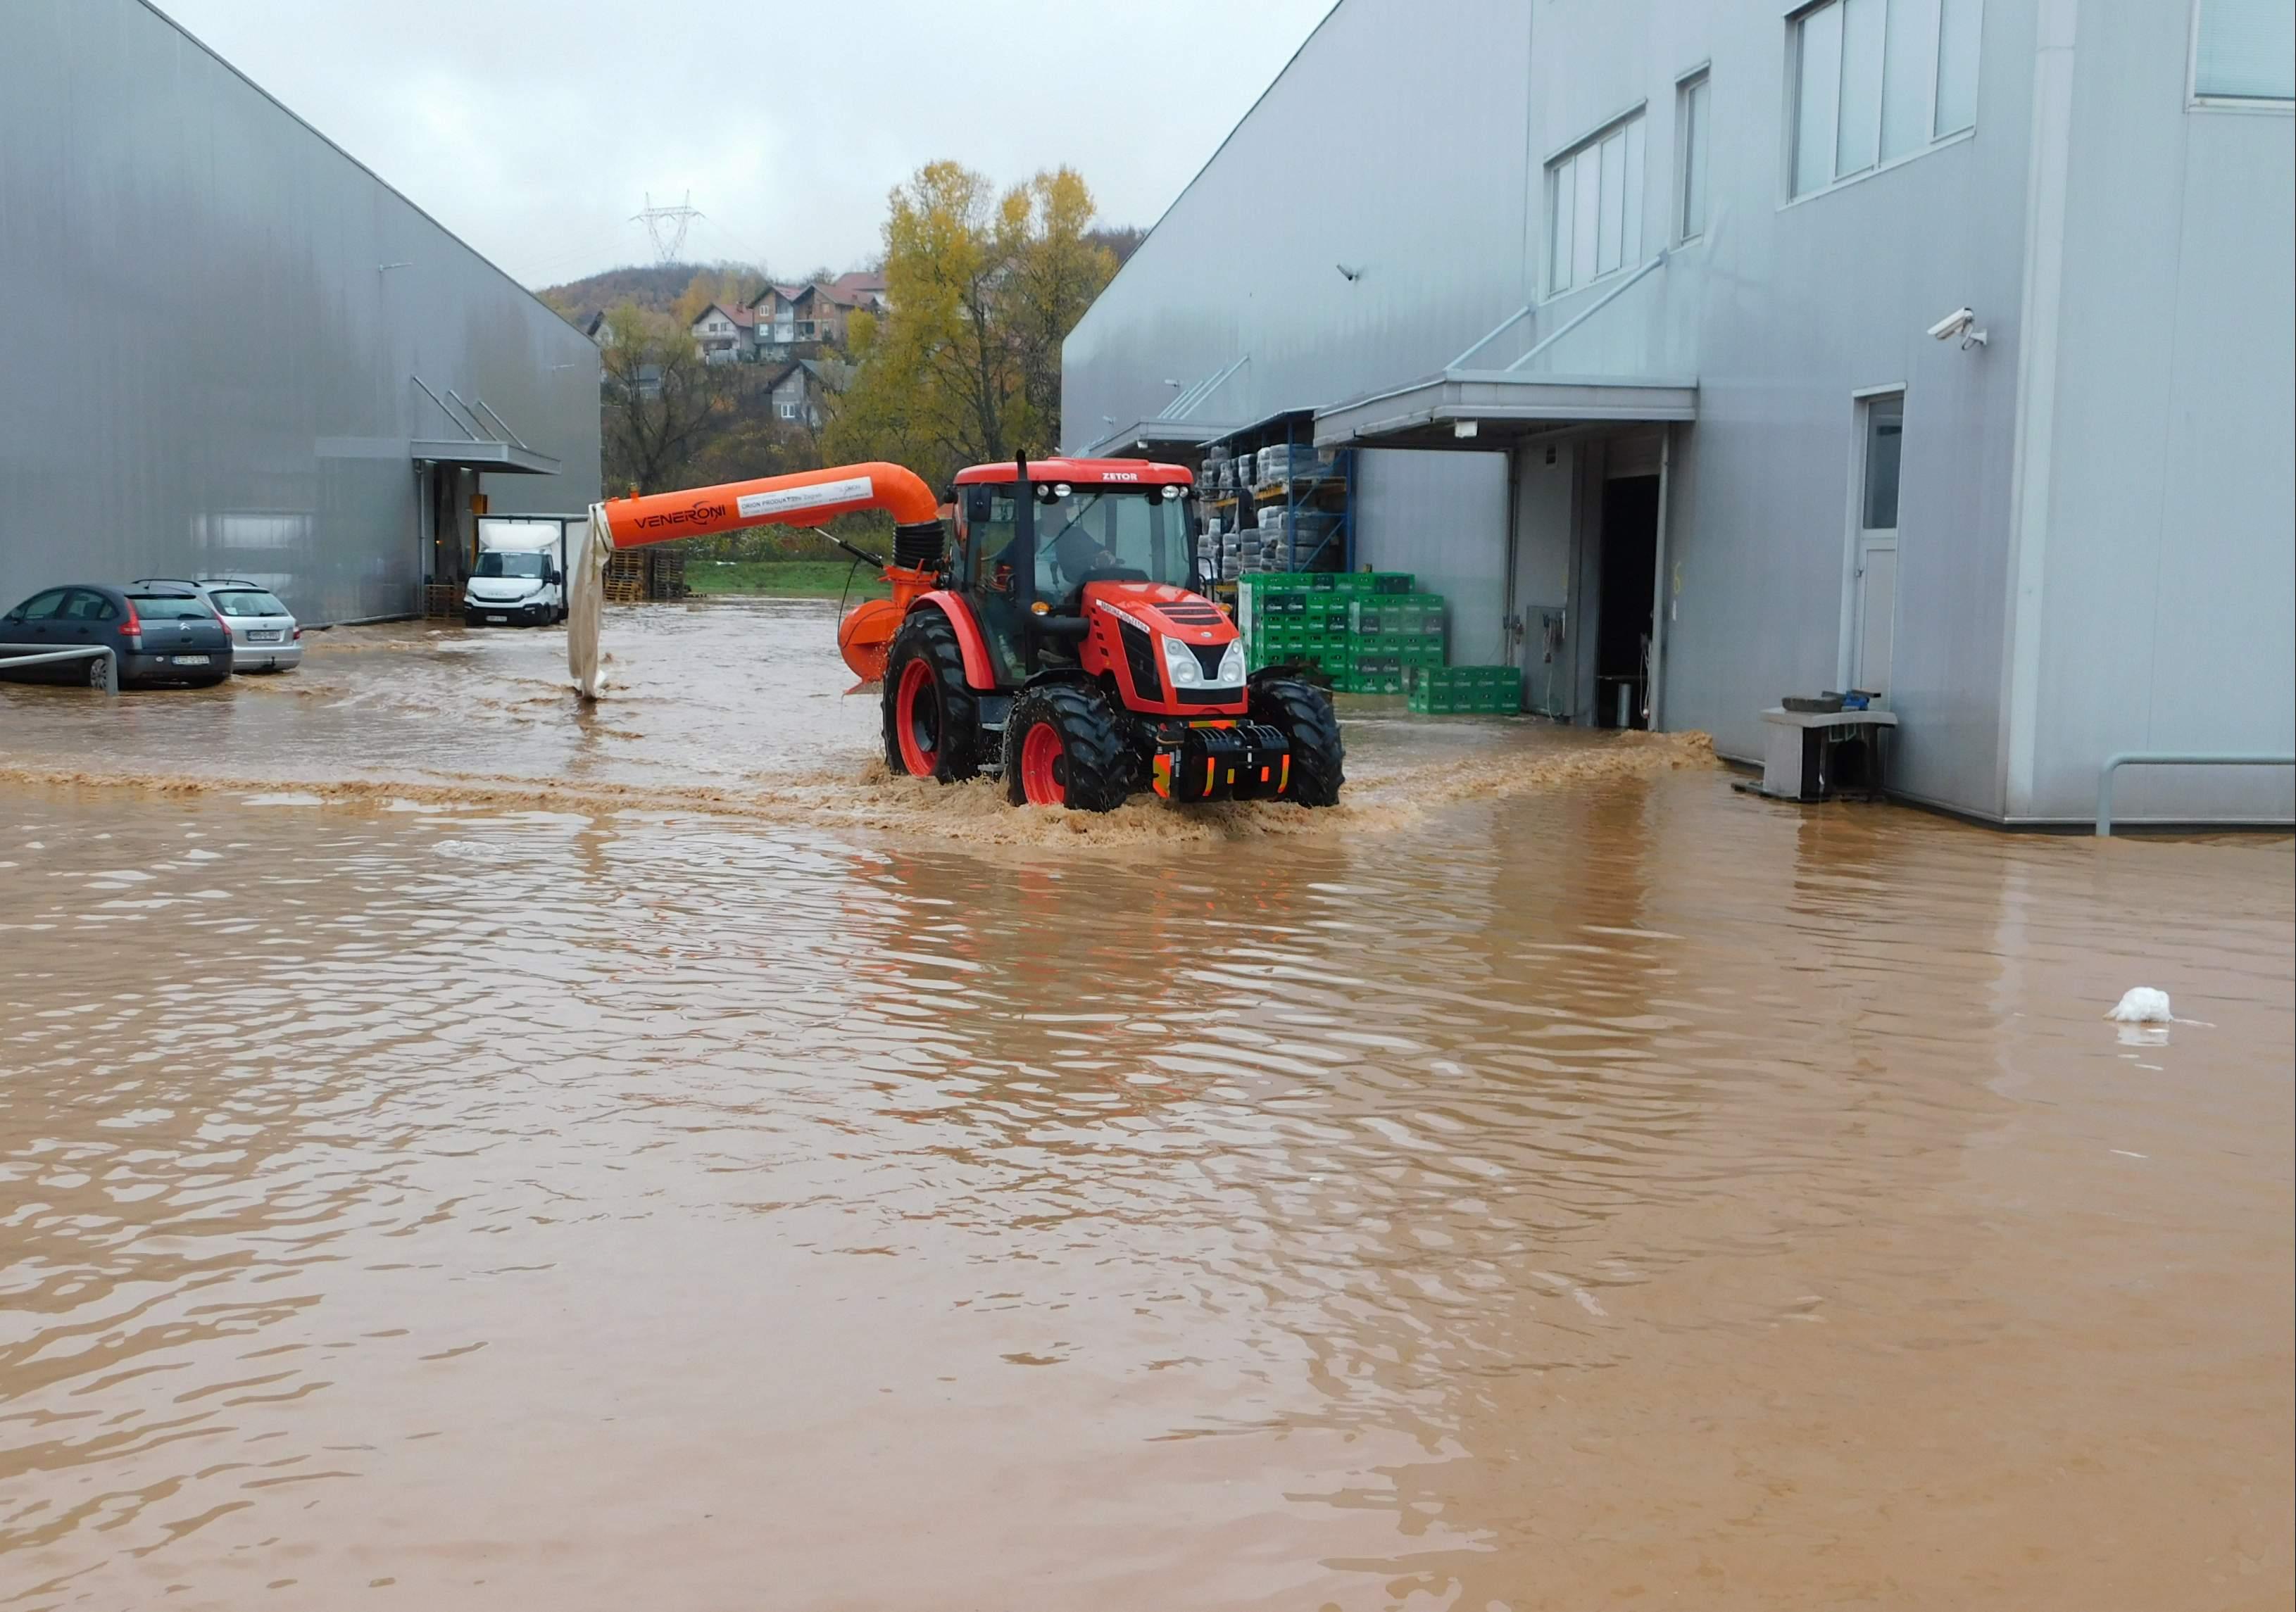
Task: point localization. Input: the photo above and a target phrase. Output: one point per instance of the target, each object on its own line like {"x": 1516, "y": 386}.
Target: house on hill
{"x": 790, "y": 317}
{"x": 723, "y": 333}
{"x": 801, "y": 391}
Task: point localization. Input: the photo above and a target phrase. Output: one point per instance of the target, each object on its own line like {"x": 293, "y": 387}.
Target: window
{"x": 786, "y": 409}
{"x": 1885, "y": 431}
{"x": 1877, "y": 81}
{"x": 2245, "y": 50}
{"x": 1595, "y": 206}
{"x": 1692, "y": 134}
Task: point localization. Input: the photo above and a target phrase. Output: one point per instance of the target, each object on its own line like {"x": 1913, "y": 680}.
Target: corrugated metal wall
{"x": 207, "y": 366}
{"x": 1394, "y": 144}
{"x": 2166, "y": 615}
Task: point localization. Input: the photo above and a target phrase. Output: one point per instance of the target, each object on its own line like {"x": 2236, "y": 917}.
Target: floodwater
{"x": 455, "y": 1153}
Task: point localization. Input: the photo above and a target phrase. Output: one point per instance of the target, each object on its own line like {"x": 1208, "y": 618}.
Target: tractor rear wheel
{"x": 933, "y": 718}
{"x": 1062, "y": 747}
{"x": 1302, "y": 713}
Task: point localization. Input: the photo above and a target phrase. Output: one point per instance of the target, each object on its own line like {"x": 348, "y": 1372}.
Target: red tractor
{"x": 1058, "y": 640}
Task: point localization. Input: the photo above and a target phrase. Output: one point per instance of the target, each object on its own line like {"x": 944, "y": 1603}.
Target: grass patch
{"x": 785, "y": 579}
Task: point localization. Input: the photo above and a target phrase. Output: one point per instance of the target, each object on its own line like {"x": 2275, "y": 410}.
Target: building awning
{"x": 500, "y": 458}
{"x": 1479, "y": 411}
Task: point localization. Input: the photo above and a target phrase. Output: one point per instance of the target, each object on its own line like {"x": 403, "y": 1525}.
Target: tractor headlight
{"x": 1232, "y": 666}
{"x": 1180, "y": 661}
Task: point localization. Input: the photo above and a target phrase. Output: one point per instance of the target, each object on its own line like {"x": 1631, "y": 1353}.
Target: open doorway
{"x": 1628, "y": 581}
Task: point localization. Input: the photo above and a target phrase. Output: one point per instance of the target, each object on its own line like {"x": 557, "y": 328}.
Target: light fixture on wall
{"x": 1962, "y": 322}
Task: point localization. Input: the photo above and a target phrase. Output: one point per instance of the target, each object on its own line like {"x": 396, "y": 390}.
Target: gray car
{"x": 264, "y": 636}
{"x": 156, "y": 633}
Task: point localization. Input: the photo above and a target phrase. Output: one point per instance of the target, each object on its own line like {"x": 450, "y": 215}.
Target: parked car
{"x": 264, "y": 636}
{"x": 160, "y": 634}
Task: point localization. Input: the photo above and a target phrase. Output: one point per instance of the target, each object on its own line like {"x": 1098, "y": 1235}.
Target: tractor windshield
{"x": 1105, "y": 534}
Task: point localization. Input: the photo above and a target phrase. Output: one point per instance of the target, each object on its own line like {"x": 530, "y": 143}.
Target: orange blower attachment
{"x": 865, "y": 637}
{"x": 804, "y": 499}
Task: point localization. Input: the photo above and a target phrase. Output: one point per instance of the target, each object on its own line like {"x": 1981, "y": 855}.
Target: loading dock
{"x": 1588, "y": 465}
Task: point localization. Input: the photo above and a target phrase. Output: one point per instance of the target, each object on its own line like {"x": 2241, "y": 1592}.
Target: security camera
{"x": 1962, "y": 322}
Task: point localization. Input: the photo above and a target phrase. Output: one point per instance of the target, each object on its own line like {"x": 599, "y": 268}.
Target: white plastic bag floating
{"x": 2143, "y": 1005}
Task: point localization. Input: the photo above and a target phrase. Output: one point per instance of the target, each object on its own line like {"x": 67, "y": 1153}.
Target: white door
{"x": 1874, "y": 585}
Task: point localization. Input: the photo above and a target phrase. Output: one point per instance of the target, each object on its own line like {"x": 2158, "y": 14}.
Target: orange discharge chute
{"x": 806, "y": 498}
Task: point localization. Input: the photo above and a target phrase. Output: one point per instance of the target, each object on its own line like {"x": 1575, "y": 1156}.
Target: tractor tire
{"x": 1062, "y": 746}
{"x": 1302, "y": 713}
{"x": 933, "y": 718}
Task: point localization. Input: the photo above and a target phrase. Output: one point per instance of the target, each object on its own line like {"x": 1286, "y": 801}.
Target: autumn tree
{"x": 964, "y": 366}
{"x": 659, "y": 402}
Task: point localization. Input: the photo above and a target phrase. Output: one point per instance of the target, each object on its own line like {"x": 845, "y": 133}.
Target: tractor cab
{"x": 1027, "y": 550}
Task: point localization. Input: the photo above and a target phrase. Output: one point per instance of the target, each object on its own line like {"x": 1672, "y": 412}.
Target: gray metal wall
{"x": 206, "y": 365}
{"x": 2096, "y": 508}
{"x": 1394, "y": 144}
{"x": 2159, "y": 614}
{"x": 1444, "y": 517}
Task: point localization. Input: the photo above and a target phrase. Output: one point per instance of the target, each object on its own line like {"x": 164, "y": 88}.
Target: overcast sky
{"x": 535, "y": 128}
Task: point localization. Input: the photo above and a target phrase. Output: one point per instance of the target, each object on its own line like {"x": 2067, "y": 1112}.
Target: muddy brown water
{"x": 455, "y": 1154}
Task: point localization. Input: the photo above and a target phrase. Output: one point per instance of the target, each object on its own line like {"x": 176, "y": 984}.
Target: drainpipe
{"x": 1658, "y": 587}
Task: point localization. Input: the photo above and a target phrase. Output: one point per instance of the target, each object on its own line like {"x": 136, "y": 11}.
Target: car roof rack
{"x": 232, "y": 582}
{"x": 163, "y": 582}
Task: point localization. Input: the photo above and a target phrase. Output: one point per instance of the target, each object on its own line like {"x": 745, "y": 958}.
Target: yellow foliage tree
{"x": 964, "y": 366}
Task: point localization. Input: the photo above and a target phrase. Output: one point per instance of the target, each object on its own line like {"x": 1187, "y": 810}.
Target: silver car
{"x": 264, "y": 633}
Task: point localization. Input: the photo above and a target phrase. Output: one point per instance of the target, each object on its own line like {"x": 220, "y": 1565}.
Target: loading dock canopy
{"x": 1482, "y": 410}
{"x": 499, "y": 458}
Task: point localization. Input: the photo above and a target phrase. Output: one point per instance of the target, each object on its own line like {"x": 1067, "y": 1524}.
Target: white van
{"x": 520, "y": 574}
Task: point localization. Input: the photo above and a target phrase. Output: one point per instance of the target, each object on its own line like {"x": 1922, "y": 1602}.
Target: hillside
{"x": 653, "y": 286}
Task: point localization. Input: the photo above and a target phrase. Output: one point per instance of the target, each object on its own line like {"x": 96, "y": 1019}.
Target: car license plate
{"x": 271, "y": 636}
{"x": 497, "y": 618}
{"x": 189, "y": 659}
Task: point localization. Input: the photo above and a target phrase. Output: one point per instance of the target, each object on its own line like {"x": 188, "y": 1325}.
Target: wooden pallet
{"x": 441, "y": 599}
{"x": 625, "y": 581}
{"x": 665, "y": 574}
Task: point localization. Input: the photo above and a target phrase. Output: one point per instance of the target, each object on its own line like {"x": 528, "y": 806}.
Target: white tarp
{"x": 586, "y": 598}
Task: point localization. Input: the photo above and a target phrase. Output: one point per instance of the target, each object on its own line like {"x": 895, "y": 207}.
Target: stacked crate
{"x": 1310, "y": 618}
{"x": 1453, "y": 691}
{"x": 1369, "y": 632}
{"x": 1391, "y": 636}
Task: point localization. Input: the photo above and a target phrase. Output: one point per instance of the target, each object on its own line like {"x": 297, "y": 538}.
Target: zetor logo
{"x": 688, "y": 517}
{"x": 1119, "y": 475}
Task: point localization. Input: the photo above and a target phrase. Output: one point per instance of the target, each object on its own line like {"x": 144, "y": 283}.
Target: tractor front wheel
{"x": 932, "y": 719}
{"x": 1062, "y": 747}
{"x": 1302, "y": 713}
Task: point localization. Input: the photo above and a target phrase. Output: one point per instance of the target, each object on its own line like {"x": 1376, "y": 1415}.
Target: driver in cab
{"x": 1077, "y": 556}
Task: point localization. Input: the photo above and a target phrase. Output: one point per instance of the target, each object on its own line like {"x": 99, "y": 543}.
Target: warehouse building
{"x": 1706, "y": 351}
{"x": 230, "y": 349}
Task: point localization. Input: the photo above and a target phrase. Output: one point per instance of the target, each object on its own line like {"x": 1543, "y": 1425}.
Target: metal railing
{"x": 2168, "y": 758}
{"x": 40, "y": 655}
